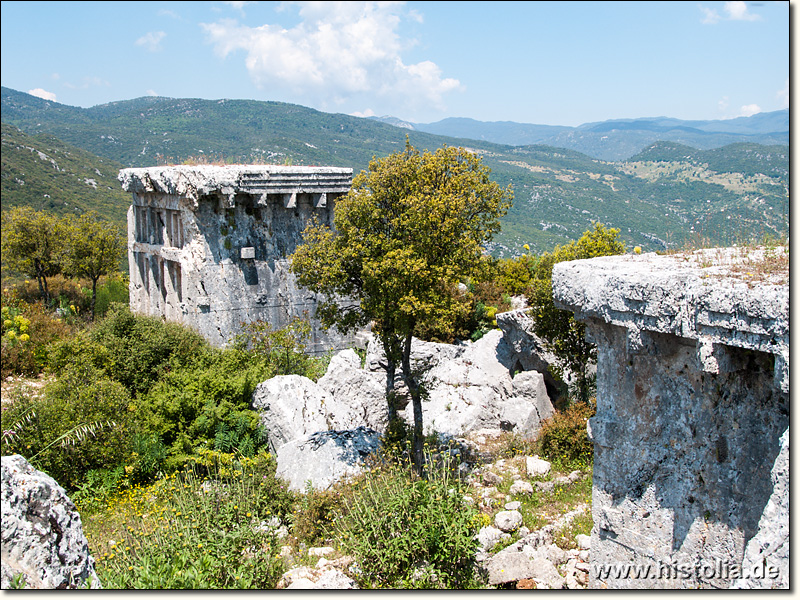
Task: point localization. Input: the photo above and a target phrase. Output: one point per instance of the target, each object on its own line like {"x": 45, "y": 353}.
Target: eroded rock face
{"x": 43, "y": 538}
{"x": 326, "y": 457}
{"x": 692, "y": 413}
{"x": 472, "y": 386}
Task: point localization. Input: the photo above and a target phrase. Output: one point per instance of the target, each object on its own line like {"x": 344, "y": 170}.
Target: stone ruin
{"x": 691, "y": 435}
{"x": 208, "y": 246}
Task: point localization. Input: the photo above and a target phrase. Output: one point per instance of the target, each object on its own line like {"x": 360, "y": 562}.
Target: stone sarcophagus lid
{"x": 208, "y": 246}
{"x": 691, "y": 435}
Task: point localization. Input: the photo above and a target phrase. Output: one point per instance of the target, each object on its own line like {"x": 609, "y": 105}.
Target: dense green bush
{"x": 144, "y": 348}
{"x": 206, "y": 404}
{"x": 81, "y": 423}
{"x": 407, "y": 532}
{"x": 563, "y": 438}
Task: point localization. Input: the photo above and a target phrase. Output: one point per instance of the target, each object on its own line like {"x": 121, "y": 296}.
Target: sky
{"x": 550, "y": 63}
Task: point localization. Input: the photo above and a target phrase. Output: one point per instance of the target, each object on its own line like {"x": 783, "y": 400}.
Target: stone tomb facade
{"x": 691, "y": 435}
{"x": 208, "y": 246}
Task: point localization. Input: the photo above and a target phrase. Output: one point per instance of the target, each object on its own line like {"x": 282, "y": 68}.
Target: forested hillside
{"x": 661, "y": 197}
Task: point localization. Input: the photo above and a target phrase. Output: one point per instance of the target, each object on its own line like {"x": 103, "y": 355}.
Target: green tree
{"x": 93, "y": 248}
{"x": 562, "y": 334}
{"x": 411, "y": 227}
{"x": 33, "y": 244}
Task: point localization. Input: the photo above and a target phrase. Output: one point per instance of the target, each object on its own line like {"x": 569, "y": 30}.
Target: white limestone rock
{"x": 326, "y": 457}
{"x": 508, "y": 520}
{"x": 42, "y": 535}
{"x": 536, "y": 466}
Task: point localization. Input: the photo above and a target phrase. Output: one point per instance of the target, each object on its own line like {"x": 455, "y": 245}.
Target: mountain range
{"x": 662, "y": 195}
{"x": 618, "y": 139}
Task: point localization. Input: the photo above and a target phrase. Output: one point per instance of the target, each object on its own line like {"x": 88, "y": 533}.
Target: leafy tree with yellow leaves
{"x": 411, "y": 228}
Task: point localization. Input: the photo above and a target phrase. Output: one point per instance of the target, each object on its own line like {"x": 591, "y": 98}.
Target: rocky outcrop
{"x": 326, "y": 457}
{"x": 43, "y": 540}
{"x": 472, "y": 386}
{"x": 691, "y": 430}
{"x": 469, "y": 387}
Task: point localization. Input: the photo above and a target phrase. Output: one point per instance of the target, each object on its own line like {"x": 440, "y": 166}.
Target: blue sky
{"x": 555, "y": 63}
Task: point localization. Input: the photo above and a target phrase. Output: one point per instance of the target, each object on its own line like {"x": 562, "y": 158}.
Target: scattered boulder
{"x": 324, "y": 578}
{"x": 508, "y": 520}
{"x": 326, "y": 457}
{"x": 520, "y": 487}
{"x": 537, "y": 467}
{"x": 42, "y": 534}
{"x": 507, "y": 567}
{"x": 584, "y": 541}
{"x": 491, "y": 479}
{"x": 488, "y": 537}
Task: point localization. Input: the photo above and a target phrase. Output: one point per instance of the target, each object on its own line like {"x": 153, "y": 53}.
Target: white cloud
{"x": 43, "y": 94}
{"x": 238, "y": 5}
{"x": 152, "y": 40}
{"x": 340, "y": 52}
{"x": 749, "y": 110}
{"x": 783, "y": 95}
{"x": 151, "y": 93}
{"x": 734, "y": 11}
{"x": 710, "y": 16}
{"x": 363, "y": 114}
{"x": 738, "y": 11}
{"x": 723, "y": 104}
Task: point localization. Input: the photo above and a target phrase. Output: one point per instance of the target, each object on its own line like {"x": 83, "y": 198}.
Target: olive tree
{"x": 411, "y": 228}
{"x": 33, "y": 244}
{"x": 93, "y": 248}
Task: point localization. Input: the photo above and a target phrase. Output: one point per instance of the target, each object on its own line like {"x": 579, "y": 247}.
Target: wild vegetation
{"x": 146, "y": 425}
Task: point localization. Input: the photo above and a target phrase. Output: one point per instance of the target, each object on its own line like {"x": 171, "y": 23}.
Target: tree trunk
{"x": 94, "y": 294}
{"x": 418, "y": 456}
{"x": 42, "y": 281}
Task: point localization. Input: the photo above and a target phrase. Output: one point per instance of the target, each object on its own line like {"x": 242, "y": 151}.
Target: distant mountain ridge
{"x": 617, "y": 139}
{"x": 666, "y": 193}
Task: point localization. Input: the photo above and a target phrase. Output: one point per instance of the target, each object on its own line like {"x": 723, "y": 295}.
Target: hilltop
{"x": 663, "y": 195}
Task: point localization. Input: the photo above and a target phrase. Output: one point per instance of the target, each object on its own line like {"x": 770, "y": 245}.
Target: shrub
{"x": 563, "y": 438}
{"x": 144, "y": 348}
{"x": 206, "y": 404}
{"x": 112, "y": 289}
{"x": 407, "y": 532}
{"x": 27, "y": 330}
{"x": 315, "y": 516}
{"x": 82, "y": 423}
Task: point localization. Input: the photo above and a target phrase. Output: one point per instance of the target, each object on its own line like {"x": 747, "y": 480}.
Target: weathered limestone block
{"x": 326, "y": 457}
{"x": 209, "y": 245}
{"x": 471, "y": 386}
{"x": 43, "y": 539}
{"x": 692, "y": 404}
